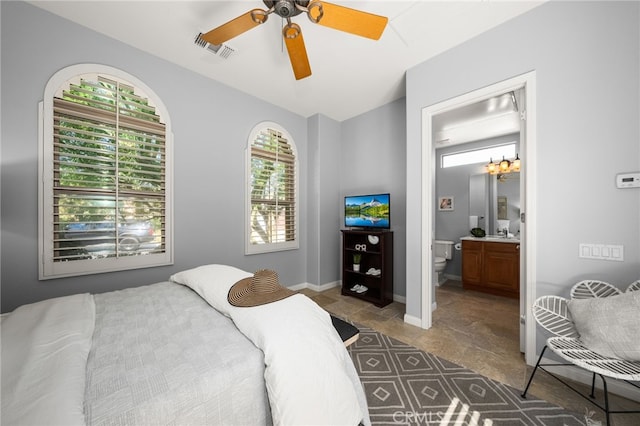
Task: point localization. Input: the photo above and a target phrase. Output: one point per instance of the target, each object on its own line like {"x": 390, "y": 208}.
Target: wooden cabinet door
{"x": 471, "y": 263}
{"x": 501, "y": 271}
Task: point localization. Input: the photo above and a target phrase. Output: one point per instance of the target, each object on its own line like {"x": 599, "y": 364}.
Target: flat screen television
{"x": 367, "y": 211}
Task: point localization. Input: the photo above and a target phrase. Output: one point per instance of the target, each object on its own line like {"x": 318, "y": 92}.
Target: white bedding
{"x": 309, "y": 375}
{"x": 305, "y": 361}
{"x": 45, "y": 346}
{"x": 161, "y": 355}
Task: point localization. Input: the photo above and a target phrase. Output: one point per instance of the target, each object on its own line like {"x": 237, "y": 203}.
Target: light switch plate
{"x": 601, "y": 252}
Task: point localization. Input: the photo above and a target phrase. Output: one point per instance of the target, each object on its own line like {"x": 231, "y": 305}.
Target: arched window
{"x": 272, "y": 206}
{"x": 105, "y": 174}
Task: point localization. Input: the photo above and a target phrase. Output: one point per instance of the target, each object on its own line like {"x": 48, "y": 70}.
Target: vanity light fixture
{"x": 503, "y": 166}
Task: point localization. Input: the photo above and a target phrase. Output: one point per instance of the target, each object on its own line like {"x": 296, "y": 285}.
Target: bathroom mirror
{"x": 493, "y": 198}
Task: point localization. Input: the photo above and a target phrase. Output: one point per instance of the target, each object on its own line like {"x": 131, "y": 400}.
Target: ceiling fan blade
{"x": 297, "y": 51}
{"x": 235, "y": 27}
{"x": 348, "y": 20}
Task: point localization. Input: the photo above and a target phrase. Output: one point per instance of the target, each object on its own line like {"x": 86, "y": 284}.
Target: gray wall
{"x": 587, "y": 61}
{"x": 324, "y": 201}
{"x": 210, "y": 137}
{"x": 211, "y": 123}
{"x": 372, "y": 160}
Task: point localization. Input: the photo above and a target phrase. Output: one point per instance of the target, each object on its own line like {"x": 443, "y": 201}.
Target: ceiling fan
{"x": 319, "y": 12}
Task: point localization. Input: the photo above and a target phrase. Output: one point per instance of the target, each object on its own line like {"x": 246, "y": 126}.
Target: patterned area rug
{"x": 405, "y": 385}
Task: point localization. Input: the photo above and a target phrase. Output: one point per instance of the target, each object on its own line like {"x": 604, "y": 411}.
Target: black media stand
{"x": 373, "y": 280}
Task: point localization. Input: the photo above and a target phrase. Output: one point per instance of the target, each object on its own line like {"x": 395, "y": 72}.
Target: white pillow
{"x": 212, "y": 283}
{"x": 609, "y": 326}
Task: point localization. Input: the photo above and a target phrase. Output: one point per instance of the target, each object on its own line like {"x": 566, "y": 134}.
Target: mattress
{"x": 161, "y": 355}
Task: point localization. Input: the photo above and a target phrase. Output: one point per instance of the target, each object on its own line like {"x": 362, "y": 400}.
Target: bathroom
{"x": 478, "y": 199}
{"x": 467, "y": 195}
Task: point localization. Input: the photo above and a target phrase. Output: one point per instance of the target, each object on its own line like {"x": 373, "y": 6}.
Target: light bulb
{"x": 504, "y": 165}
{"x": 515, "y": 166}
{"x": 491, "y": 167}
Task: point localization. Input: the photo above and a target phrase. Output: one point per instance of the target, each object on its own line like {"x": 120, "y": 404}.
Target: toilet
{"x": 442, "y": 250}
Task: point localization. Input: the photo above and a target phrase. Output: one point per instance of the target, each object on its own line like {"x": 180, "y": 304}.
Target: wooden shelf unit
{"x": 378, "y": 256}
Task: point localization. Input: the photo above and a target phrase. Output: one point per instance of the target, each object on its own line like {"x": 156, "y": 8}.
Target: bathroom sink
{"x": 493, "y": 238}
{"x": 500, "y": 238}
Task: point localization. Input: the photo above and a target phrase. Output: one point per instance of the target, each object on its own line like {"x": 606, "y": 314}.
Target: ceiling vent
{"x": 222, "y": 50}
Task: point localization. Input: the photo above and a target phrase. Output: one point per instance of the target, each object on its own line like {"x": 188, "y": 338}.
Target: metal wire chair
{"x": 588, "y": 289}
{"x": 552, "y": 314}
{"x": 634, "y": 286}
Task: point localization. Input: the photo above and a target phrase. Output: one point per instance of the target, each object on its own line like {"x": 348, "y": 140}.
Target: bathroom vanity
{"x": 491, "y": 265}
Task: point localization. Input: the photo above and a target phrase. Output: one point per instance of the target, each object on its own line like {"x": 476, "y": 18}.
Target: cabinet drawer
{"x": 502, "y": 247}
{"x": 472, "y": 245}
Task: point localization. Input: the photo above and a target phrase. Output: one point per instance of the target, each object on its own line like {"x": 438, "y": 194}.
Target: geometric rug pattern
{"x": 405, "y": 385}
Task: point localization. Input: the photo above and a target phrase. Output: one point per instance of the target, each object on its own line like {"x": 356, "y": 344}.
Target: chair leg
{"x": 524, "y": 393}
{"x": 606, "y": 397}
{"x": 593, "y": 386}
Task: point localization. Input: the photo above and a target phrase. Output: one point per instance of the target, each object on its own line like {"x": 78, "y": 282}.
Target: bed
{"x": 176, "y": 352}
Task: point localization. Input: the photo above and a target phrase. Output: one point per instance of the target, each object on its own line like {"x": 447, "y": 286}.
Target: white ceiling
{"x": 351, "y": 74}
{"x": 491, "y": 117}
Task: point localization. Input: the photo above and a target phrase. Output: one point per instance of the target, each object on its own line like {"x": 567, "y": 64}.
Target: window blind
{"x": 273, "y": 191}
{"x": 109, "y": 177}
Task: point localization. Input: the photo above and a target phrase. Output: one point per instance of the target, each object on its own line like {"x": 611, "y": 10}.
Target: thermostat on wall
{"x": 628, "y": 180}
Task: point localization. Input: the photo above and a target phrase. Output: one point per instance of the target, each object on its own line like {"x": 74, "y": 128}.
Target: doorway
{"x": 526, "y": 85}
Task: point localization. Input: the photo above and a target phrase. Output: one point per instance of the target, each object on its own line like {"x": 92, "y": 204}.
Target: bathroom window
{"x": 476, "y": 156}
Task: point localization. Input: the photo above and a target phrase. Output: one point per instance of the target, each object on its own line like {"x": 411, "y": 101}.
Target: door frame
{"x": 527, "y": 82}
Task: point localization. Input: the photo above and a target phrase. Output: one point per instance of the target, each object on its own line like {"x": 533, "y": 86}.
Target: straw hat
{"x": 263, "y": 287}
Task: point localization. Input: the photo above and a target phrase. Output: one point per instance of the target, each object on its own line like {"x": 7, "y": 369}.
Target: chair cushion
{"x": 609, "y": 326}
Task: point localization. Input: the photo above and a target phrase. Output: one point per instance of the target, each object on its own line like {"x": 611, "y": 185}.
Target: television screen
{"x": 367, "y": 211}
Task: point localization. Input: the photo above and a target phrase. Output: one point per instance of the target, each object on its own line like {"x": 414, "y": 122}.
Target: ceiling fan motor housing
{"x": 286, "y": 8}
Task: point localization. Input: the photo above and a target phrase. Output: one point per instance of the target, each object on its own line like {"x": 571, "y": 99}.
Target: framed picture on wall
{"x": 445, "y": 204}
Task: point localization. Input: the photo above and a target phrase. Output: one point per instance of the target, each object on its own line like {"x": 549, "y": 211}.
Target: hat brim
{"x": 241, "y": 294}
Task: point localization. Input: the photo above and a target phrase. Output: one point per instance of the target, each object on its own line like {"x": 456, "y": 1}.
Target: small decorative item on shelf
{"x": 356, "y": 262}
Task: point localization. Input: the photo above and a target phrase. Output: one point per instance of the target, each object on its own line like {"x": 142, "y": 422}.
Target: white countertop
{"x": 492, "y": 239}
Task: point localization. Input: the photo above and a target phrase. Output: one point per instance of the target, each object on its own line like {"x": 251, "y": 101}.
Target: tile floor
{"x": 475, "y": 330}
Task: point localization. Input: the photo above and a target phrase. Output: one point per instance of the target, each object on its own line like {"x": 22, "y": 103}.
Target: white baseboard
{"x": 327, "y": 286}
{"x": 316, "y": 287}
{"x": 583, "y": 376}
{"x": 399, "y": 299}
{"x": 410, "y": 319}
{"x": 300, "y": 286}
